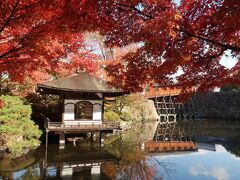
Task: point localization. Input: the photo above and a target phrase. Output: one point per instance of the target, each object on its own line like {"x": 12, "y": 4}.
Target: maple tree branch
{"x": 2, "y": 10}
{"x": 210, "y": 58}
{"x": 16, "y": 62}
{"x": 10, "y": 16}
{"x": 135, "y": 9}
{"x": 29, "y": 6}
{"x": 13, "y": 56}
{"x": 18, "y": 17}
{"x": 225, "y": 46}
{"x": 5, "y": 39}
{"x": 15, "y": 48}
{"x": 215, "y": 55}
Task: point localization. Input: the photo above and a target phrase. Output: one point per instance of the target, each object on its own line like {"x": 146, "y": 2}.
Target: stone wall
{"x": 225, "y": 105}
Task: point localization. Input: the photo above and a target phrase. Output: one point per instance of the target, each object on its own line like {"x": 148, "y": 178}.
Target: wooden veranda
{"x": 81, "y": 128}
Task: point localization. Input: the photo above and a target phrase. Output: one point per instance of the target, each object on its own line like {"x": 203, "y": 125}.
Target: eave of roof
{"x": 82, "y": 82}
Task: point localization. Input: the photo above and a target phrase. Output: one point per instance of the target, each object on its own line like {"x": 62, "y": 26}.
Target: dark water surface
{"x": 216, "y": 157}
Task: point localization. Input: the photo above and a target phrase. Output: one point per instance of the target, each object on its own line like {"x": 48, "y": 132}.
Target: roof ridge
{"x": 97, "y": 78}
{"x": 81, "y": 81}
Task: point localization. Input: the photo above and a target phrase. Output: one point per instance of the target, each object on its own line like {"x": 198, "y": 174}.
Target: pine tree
{"x": 17, "y": 130}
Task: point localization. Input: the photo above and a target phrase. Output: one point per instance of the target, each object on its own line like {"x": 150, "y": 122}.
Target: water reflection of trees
{"x": 31, "y": 173}
{"x": 211, "y": 127}
{"x": 135, "y": 164}
{"x": 9, "y": 165}
{"x": 167, "y": 167}
{"x": 189, "y": 129}
{"x": 226, "y": 132}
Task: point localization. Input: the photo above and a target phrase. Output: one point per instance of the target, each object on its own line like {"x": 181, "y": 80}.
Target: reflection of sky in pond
{"x": 204, "y": 164}
{"x": 19, "y": 173}
{"x": 51, "y": 171}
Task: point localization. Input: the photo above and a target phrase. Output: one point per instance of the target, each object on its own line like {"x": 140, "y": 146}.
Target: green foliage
{"x": 126, "y": 116}
{"x": 111, "y": 116}
{"x": 14, "y": 164}
{"x": 231, "y": 87}
{"x": 129, "y": 107}
{"x": 17, "y": 130}
{"x": 119, "y": 104}
{"x": 43, "y": 106}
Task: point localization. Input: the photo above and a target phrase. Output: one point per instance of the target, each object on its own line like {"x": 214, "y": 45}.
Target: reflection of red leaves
{"x": 110, "y": 170}
{"x": 1, "y": 104}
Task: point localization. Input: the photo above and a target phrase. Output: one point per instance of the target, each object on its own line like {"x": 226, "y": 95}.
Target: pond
{"x": 216, "y": 156}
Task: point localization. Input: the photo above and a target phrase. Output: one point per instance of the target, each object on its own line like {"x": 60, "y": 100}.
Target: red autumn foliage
{"x": 194, "y": 36}
{"x": 1, "y": 104}
{"x": 37, "y": 35}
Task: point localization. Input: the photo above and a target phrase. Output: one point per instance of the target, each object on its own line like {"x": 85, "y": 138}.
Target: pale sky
{"x": 228, "y": 61}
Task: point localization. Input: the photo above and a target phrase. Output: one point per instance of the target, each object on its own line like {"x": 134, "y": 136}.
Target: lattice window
{"x": 83, "y": 110}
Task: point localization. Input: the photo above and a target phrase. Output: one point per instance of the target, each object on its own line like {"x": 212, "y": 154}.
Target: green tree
{"x": 17, "y": 130}
{"x": 115, "y": 109}
{"x": 231, "y": 87}
{"x": 129, "y": 107}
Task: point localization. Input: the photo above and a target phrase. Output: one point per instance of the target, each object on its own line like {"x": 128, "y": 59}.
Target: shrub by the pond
{"x": 17, "y": 130}
{"x": 111, "y": 116}
{"x": 126, "y": 116}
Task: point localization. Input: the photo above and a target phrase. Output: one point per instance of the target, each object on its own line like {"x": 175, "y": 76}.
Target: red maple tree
{"x": 192, "y": 36}
{"x": 41, "y": 36}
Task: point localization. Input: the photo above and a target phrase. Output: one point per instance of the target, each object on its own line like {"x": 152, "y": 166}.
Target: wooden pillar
{"x": 10, "y": 176}
{"x": 91, "y": 140}
{"x": 59, "y": 171}
{"x": 103, "y": 108}
{"x": 61, "y": 141}
{"x": 46, "y": 138}
{"x": 61, "y": 99}
{"x": 101, "y": 138}
{"x": 43, "y": 163}
{"x": 96, "y": 172}
{"x": 43, "y": 168}
{"x": 46, "y": 149}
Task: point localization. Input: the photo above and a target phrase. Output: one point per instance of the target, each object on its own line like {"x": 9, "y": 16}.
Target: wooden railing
{"x": 81, "y": 125}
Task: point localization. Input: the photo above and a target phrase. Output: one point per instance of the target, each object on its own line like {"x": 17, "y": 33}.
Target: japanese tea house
{"x": 82, "y": 98}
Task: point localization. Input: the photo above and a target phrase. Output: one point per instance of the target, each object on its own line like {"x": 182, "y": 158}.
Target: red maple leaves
{"x": 39, "y": 35}
{"x": 1, "y": 104}
{"x": 192, "y": 37}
